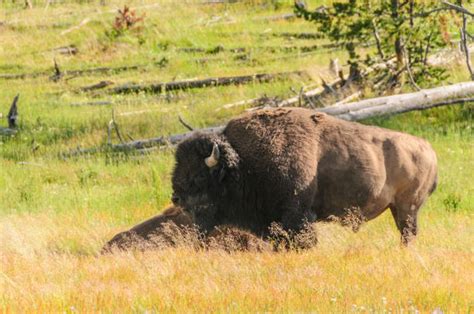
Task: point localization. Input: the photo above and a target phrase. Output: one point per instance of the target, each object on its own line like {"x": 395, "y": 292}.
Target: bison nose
{"x": 175, "y": 199}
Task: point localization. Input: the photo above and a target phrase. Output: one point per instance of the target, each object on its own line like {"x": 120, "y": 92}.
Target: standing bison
{"x": 291, "y": 165}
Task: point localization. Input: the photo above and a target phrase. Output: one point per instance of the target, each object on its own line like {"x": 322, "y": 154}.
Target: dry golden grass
{"x": 51, "y": 265}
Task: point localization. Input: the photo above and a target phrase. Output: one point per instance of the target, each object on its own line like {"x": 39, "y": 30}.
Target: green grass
{"x": 55, "y": 213}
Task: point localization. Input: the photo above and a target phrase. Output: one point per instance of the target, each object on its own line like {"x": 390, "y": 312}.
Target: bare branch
{"x": 101, "y": 84}
{"x": 377, "y": 40}
{"x": 427, "y": 49}
{"x": 114, "y": 125}
{"x": 427, "y": 13}
{"x": 57, "y": 73}
{"x": 328, "y": 87}
{"x": 300, "y": 97}
{"x": 465, "y": 47}
{"x": 457, "y": 8}
{"x": 412, "y": 79}
{"x": 408, "y": 68}
{"x": 187, "y": 126}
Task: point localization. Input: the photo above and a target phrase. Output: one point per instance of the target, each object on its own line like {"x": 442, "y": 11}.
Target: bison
{"x": 232, "y": 239}
{"x": 295, "y": 165}
{"x": 161, "y": 229}
{"x": 174, "y": 227}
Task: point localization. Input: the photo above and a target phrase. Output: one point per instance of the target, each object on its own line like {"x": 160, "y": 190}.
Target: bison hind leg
{"x": 406, "y": 217}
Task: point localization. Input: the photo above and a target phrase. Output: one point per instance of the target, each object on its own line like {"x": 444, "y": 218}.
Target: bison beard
{"x": 293, "y": 166}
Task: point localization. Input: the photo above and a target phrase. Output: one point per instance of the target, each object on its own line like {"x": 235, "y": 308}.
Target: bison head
{"x": 206, "y": 169}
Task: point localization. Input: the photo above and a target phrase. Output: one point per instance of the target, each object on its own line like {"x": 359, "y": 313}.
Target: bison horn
{"x": 213, "y": 159}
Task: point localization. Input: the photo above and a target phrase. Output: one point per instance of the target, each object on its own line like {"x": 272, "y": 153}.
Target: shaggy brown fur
{"x": 292, "y": 165}
{"x": 162, "y": 229}
{"x": 231, "y": 239}
{"x": 175, "y": 227}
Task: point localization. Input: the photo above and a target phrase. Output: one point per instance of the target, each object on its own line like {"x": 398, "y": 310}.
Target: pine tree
{"x": 405, "y": 32}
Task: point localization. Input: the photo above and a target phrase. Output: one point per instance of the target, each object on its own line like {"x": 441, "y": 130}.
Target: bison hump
{"x": 279, "y": 145}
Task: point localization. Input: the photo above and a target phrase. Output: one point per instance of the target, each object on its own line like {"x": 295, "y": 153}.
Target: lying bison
{"x": 162, "y": 229}
{"x": 175, "y": 227}
{"x": 291, "y": 165}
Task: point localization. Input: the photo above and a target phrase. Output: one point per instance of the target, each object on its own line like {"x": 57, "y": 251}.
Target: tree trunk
{"x": 399, "y": 53}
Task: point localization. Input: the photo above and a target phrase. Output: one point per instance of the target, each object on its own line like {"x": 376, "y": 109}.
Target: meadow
{"x": 57, "y": 212}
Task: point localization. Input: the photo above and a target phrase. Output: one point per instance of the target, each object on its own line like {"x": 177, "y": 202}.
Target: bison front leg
{"x": 295, "y": 231}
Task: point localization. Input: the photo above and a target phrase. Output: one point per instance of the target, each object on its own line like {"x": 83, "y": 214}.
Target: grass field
{"x": 56, "y": 213}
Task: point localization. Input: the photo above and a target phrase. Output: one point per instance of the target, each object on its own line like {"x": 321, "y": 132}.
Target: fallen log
{"x": 210, "y": 2}
{"x": 421, "y": 98}
{"x": 103, "y": 70}
{"x": 92, "y": 103}
{"x": 66, "y": 50}
{"x": 200, "y": 83}
{"x": 299, "y": 35}
{"x": 7, "y": 131}
{"x": 447, "y": 95}
{"x": 74, "y": 72}
{"x": 100, "y": 85}
{"x": 397, "y": 108}
{"x": 285, "y": 16}
{"x": 140, "y": 144}
{"x": 220, "y": 48}
{"x": 23, "y": 75}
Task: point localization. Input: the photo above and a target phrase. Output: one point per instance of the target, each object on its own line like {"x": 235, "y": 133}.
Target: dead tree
{"x": 12, "y": 118}
{"x": 57, "y": 73}
{"x": 13, "y": 113}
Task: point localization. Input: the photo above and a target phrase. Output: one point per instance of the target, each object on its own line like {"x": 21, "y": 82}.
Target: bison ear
{"x": 213, "y": 159}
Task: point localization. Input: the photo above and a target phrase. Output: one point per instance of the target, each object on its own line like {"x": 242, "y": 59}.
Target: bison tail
{"x": 435, "y": 184}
